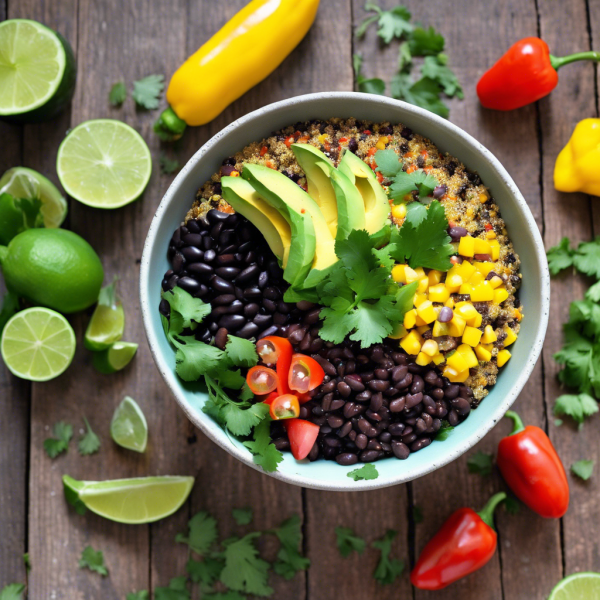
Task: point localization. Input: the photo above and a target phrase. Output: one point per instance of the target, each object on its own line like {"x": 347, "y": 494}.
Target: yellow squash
{"x": 247, "y": 49}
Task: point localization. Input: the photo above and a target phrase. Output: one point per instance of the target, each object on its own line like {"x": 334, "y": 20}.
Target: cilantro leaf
{"x": 146, "y": 91}
{"x": 141, "y": 595}
{"x": 93, "y": 560}
{"x": 190, "y": 311}
{"x": 417, "y": 514}
{"x": 347, "y": 541}
{"x": 404, "y": 57}
{"x": 393, "y": 23}
{"x": 10, "y": 306}
{"x": 362, "y": 28}
{"x": 205, "y": 572}
{"x": 592, "y": 294}
{"x": 117, "y": 94}
{"x": 405, "y": 183}
{"x": 367, "y": 86}
{"x": 560, "y": 256}
{"x": 387, "y": 570}
{"x": 241, "y": 421}
{"x": 365, "y": 473}
{"x": 424, "y": 42}
{"x": 27, "y": 561}
{"x": 388, "y": 162}
{"x": 416, "y": 213}
{"x": 59, "y": 444}
{"x": 444, "y": 431}
{"x": 480, "y": 463}
{"x": 194, "y": 359}
{"x": 436, "y": 69}
{"x": 177, "y": 590}
{"x": 89, "y": 443}
{"x": 289, "y": 534}
{"x": 228, "y": 595}
{"x": 373, "y": 322}
{"x": 241, "y": 352}
{"x": 579, "y": 407}
{"x": 511, "y": 505}
{"x": 13, "y": 591}
{"x": 265, "y": 453}
{"x": 424, "y": 93}
{"x": 244, "y": 571}
{"x": 242, "y": 516}
{"x": 201, "y": 535}
{"x": 168, "y": 165}
{"x": 587, "y": 259}
{"x": 583, "y": 469}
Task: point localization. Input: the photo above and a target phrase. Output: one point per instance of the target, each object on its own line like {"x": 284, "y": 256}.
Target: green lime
{"x": 114, "y": 358}
{"x": 131, "y": 501}
{"x": 104, "y": 164}
{"x": 579, "y": 586}
{"x": 52, "y": 267}
{"x": 37, "y": 71}
{"x": 108, "y": 320}
{"x": 21, "y": 182}
{"x": 128, "y": 427}
{"x": 38, "y": 344}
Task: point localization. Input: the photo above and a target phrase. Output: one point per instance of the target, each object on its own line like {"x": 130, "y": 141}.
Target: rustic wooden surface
{"x": 128, "y": 39}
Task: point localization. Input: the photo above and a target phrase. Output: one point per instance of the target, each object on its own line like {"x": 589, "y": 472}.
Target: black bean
{"x": 418, "y": 385}
{"x": 268, "y": 331}
{"x": 188, "y": 284}
{"x": 220, "y": 285}
{"x": 193, "y": 226}
{"x": 231, "y": 249}
{"x": 281, "y": 444}
{"x": 382, "y": 373}
{"x": 335, "y": 421}
{"x": 413, "y": 399}
{"x": 252, "y": 294}
{"x": 164, "y": 308}
{"x": 221, "y": 338}
{"x": 451, "y": 391}
{"x": 437, "y": 393}
{"x": 398, "y": 404}
{"x": 285, "y": 307}
{"x": 363, "y": 396}
{"x": 354, "y": 382}
{"x": 232, "y": 322}
{"x": 445, "y": 315}
{"x": 376, "y": 402}
{"x": 269, "y": 305}
{"x": 379, "y": 385}
{"x": 457, "y": 232}
{"x": 263, "y": 320}
{"x": 314, "y": 452}
{"x": 215, "y": 216}
{"x": 420, "y": 444}
{"x": 263, "y": 279}
{"x": 462, "y": 406}
{"x": 200, "y": 269}
{"x": 453, "y": 418}
{"x": 344, "y": 389}
{"x": 227, "y": 272}
{"x": 338, "y": 403}
{"x": 250, "y": 310}
{"x": 207, "y": 242}
{"x": 368, "y": 455}
{"x": 209, "y": 256}
{"x": 404, "y": 383}
{"x": 439, "y": 191}
{"x": 399, "y": 372}
{"x": 346, "y": 459}
{"x": 345, "y": 429}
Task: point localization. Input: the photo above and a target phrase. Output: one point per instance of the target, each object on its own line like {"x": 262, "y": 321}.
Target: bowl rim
{"x": 466, "y": 443}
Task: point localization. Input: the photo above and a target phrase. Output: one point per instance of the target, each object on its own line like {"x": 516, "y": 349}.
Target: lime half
{"x": 38, "y": 344}
{"x": 37, "y": 71}
{"x": 104, "y": 164}
{"x": 579, "y": 586}
{"x": 132, "y": 501}
{"x": 21, "y": 182}
{"x": 115, "y": 358}
{"x": 128, "y": 427}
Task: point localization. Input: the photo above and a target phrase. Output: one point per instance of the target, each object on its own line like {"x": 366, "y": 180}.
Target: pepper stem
{"x": 169, "y": 127}
{"x": 487, "y": 512}
{"x": 517, "y": 423}
{"x": 558, "y": 61}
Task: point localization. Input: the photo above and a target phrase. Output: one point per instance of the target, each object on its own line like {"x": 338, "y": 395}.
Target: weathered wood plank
{"x": 568, "y": 215}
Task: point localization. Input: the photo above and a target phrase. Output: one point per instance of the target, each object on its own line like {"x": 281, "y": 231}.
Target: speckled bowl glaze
{"x": 535, "y": 291}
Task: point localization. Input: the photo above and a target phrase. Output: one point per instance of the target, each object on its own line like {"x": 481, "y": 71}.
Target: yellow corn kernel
{"x": 488, "y": 347}
{"x": 483, "y": 197}
{"x": 410, "y": 319}
{"x": 484, "y": 267}
{"x": 482, "y": 353}
{"x": 454, "y": 376}
{"x": 457, "y": 362}
{"x": 434, "y": 277}
{"x": 438, "y": 359}
{"x": 518, "y": 315}
{"x": 503, "y": 357}
{"x": 466, "y": 289}
{"x": 467, "y": 353}
{"x": 495, "y": 249}
{"x": 453, "y": 283}
{"x": 410, "y": 275}
{"x": 423, "y": 359}
{"x": 399, "y": 332}
{"x": 466, "y": 246}
{"x": 426, "y": 312}
{"x": 398, "y": 274}
{"x": 475, "y": 321}
{"x": 500, "y": 295}
{"x": 482, "y": 246}
{"x": 466, "y": 270}
{"x": 449, "y": 303}
{"x": 380, "y": 145}
{"x": 471, "y": 336}
{"x": 440, "y": 329}
{"x": 482, "y": 292}
{"x": 423, "y": 328}
{"x": 420, "y": 321}
{"x": 322, "y": 138}
{"x": 495, "y": 281}
{"x": 419, "y": 299}
{"x": 490, "y": 235}
{"x": 411, "y": 343}
{"x": 457, "y": 326}
{"x": 423, "y": 285}
{"x": 420, "y": 272}
{"x": 510, "y": 338}
{"x": 430, "y": 347}
{"x": 489, "y": 335}
{"x": 476, "y": 278}
{"x": 399, "y": 211}
{"x": 465, "y": 310}
{"x": 438, "y": 293}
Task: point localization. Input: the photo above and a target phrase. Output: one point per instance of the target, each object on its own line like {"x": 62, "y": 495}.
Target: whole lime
{"x": 52, "y": 267}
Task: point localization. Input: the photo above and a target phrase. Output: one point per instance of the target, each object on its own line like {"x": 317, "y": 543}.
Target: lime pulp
{"x": 115, "y": 358}
{"x": 128, "y": 427}
{"x": 105, "y": 327}
{"x": 579, "y": 586}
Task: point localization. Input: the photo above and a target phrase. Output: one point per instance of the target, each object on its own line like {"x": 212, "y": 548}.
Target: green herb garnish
{"x": 388, "y": 569}
{"x": 93, "y": 560}
{"x": 242, "y": 516}
{"x": 366, "y": 472}
{"x": 13, "y": 591}
{"x": 60, "y": 443}
{"x": 480, "y": 463}
{"x": 117, "y": 94}
{"x": 347, "y": 541}
{"x": 583, "y": 469}
{"x": 168, "y": 165}
{"x": 289, "y": 559}
{"x": 89, "y": 443}
{"x": 146, "y": 91}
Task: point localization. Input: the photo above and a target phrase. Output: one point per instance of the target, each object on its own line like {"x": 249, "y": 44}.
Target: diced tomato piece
{"x": 424, "y": 153}
{"x": 289, "y": 141}
{"x": 488, "y": 226}
{"x": 297, "y": 134}
{"x": 305, "y": 374}
{"x": 372, "y": 151}
{"x": 379, "y": 177}
{"x": 303, "y": 435}
{"x": 367, "y": 132}
{"x": 275, "y": 350}
{"x": 411, "y": 169}
{"x": 264, "y": 150}
{"x": 262, "y": 380}
{"x": 285, "y": 407}
{"x": 343, "y": 140}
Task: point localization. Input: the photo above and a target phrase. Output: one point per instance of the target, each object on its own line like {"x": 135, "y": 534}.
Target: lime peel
{"x": 579, "y": 586}
{"x": 128, "y": 427}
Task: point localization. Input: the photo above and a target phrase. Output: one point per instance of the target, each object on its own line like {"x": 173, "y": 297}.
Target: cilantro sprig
{"x": 347, "y": 541}
{"x": 388, "y": 569}
{"x": 481, "y": 463}
{"x": 583, "y": 469}
{"x": 63, "y": 433}
{"x": 93, "y": 560}
{"x": 146, "y": 91}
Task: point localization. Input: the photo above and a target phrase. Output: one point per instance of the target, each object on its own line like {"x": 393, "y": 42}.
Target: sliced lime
{"x": 38, "y": 344}
{"x": 579, "y": 586}
{"x": 104, "y": 163}
{"x": 115, "y": 358}
{"x": 108, "y": 320}
{"x": 128, "y": 427}
{"x": 132, "y": 501}
{"x": 37, "y": 71}
{"x": 21, "y": 182}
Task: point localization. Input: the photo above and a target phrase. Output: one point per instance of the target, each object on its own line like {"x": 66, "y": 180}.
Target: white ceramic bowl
{"x": 535, "y": 291}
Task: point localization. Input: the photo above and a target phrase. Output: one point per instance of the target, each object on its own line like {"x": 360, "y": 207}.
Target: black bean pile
{"x": 225, "y": 261}
{"x": 375, "y": 403}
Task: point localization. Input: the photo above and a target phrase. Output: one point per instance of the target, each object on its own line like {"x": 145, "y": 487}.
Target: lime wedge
{"x": 115, "y": 358}
{"x": 128, "y": 427}
{"x": 37, "y": 71}
{"x": 37, "y": 344}
{"x": 104, "y": 163}
{"x": 108, "y": 320}
{"x": 21, "y": 182}
{"x": 131, "y": 501}
{"x": 579, "y": 586}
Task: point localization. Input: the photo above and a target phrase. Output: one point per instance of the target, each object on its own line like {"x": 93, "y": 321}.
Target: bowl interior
{"x": 521, "y": 227}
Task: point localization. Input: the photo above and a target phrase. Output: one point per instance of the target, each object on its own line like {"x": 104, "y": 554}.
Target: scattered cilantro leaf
{"x": 205, "y": 572}
{"x": 141, "y": 595}
{"x": 13, "y": 591}
{"x": 202, "y": 533}
{"x": 347, "y": 541}
{"x": 404, "y": 57}
{"x": 168, "y": 165}
{"x": 394, "y": 23}
{"x": 436, "y": 68}
{"x": 593, "y": 293}
{"x": 89, "y": 443}
{"x": 27, "y": 561}
{"x": 417, "y": 514}
{"x": 290, "y": 561}
{"x": 362, "y": 28}
{"x": 424, "y": 42}
{"x": 367, "y": 86}
{"x": 117, "y": 94}
{"x": 146, "y": 91}
{"x": 365, "y": 473}
{"x": 176, "y": 590}
{"x": 389, "y": 164}
{"x": 244, "y": 570}
{"x": 93, "y": 560}
{"x": 228, "y": 595}
{"x": 10, "y": 306}
{"x": 511, "y": 505}
{"x": 265, "y": 453}
{"x": 424, "y": 93}
{"x": 587, "y": 258}
{"x": 444, "y": 431}
{"x": 560, "y": 256}
{"x": 583, "y": 469}
{"x": 579, "y": 407}
{"x": 242, "y": 516}
{"x": 558, "y": 422}
{"x": 60, "y": 443}
{"x": 480, "y": 463}
{"x": 241, "y": 352}
{"x": 387, "y": 570}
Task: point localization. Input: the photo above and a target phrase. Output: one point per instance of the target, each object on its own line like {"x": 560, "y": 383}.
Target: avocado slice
{"x": 245, "y": 200}
{"x": 376, "y": 203}
{"x": 339, "y": 201}
{"x": 312, "y": 245}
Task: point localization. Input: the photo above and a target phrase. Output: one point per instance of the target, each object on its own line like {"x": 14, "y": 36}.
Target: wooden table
{"x": 128, "y": 39}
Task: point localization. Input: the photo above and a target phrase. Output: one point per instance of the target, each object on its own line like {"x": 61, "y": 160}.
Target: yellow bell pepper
{"x": 576, "y": 168}
{"x": 243, "y": 52}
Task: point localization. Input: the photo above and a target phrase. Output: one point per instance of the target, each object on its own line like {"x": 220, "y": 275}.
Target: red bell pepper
{"x": 465, "y": 543}
{"x": 526, "y": 73}
{"x": 261, "y": 380}
{"x": 303, "y": 435}
{"x": 285, "y": 407}
{"x": 275, "y": 350}
{"x": 305, "y": 374}
{"x": 533, "y": 470}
